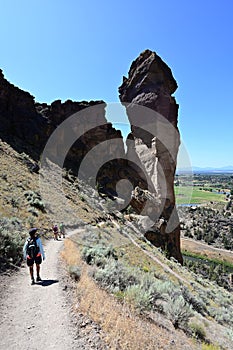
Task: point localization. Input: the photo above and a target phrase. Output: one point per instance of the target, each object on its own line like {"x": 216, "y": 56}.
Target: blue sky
{"x": 75, "y": 49}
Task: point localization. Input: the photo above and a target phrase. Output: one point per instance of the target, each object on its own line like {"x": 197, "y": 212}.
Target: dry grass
{"x": 15, "y": 179}
{"x": 122, "y": 327}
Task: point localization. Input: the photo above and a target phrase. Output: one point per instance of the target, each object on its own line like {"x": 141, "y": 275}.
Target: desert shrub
{"x": 222, "y": 315}
{"x": 90, "y": 237}
{"x": 139, "y": 297}
{"x": 142, "y": 290}
{"x": 75, "y": 272}
{"x": 24, "y": 156}
{"x": 34, "y": 199}
{"x": 31, "y": 221}
{"x": 82, "y": 198}
{"x": 33, "y": 211}
{"x": 4, "y": 176}
{"x": 11, "y": 240}
{"x": 156, "y": 289}
{"x": 98, "y": 254}
{"x": 224, "y": 299}
{"x": 165, "y": 287}
{"x": 229, "y": 333}
{"x": 178, "y": 311}
{"x": 197, "y": 330}
{"x": 38, "y": 203}
{"x": 15, "y": 202}
{"x": 148, "y": 280}
{"x": 197, "y": 304}
{"x": 115, "y": 276}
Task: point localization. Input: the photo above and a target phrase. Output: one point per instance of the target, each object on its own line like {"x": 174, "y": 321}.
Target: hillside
{"x": 134, "y": 291}
{"x": 22, "y": 207}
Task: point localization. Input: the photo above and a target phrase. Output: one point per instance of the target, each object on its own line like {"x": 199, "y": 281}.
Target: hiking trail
{"x": 39, "y": 316}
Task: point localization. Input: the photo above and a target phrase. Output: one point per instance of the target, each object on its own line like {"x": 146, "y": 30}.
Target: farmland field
{"x": 189, "y": 194}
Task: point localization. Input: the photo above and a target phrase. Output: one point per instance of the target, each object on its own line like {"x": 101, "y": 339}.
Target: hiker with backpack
{"x": 33, "y": 252}
{"x": 62, "y": 230}
{"x": 55, "y": 232}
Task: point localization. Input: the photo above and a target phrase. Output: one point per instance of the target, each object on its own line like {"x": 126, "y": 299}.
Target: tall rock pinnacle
{"x": 154, "y": 142}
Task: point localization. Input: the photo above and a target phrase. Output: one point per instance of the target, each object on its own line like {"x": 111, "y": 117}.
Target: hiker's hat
{"x": 32, "y": 231}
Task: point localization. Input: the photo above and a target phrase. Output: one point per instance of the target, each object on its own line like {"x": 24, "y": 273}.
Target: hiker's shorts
{"x": 31, "y": 261}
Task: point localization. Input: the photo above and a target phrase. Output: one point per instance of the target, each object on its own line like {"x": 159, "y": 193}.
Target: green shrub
{"x": 229, "y": 333}
{"x": 4, "y": 176}
{"x": 140, "y": 298}
{"x": 146, "y": 290}
{"x": 90, "y": 237}
{"x": 15, "y": 202}
{"x": 147, "y": 280}
{"x": 197, "y": 304}
{"x": 82, "y": 198}
{"x": 33, "y": 211}
{"x": 31, "y": 221}
{"x": 197, "y": 330}
{"x": 75, "y": 272}
{"x": 11, "y": 240}
{"x": 98, "y": 254}
{"x": 165, "y": 287}
{"x": 222, "y": 315}
{"x": 115, "y": 276}
{"x": 178, "y": 311}
{"x": 34, "y": 199}
{"x": 158, "y": 290}
{"x": 39, "y": 204}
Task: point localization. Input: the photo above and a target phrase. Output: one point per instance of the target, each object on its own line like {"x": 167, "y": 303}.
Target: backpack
{"x": 32, "y": 248}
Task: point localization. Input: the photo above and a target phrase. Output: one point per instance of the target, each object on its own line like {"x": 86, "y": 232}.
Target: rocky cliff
{"x": 27, "y": 125}
{"x": 152, "y": 112}
{"x": 149, "y": 164}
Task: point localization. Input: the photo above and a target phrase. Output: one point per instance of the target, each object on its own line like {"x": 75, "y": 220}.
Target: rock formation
{"x": 27, "y": 125}
{"x": 150, "y": 161}
{"x": 152, "y": 112}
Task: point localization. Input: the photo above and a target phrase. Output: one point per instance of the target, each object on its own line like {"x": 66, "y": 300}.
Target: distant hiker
{"x": 55, "y": 232}
{"x": 62, "y": 229}
{"x": 33, "y": 252}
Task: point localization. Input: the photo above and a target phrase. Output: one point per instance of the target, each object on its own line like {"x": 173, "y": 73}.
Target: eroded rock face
{"x": 27, "y": 126}
{"x": 150, "y": 84}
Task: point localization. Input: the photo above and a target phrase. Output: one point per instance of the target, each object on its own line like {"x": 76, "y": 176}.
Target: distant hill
{"x": 195, "y": 169}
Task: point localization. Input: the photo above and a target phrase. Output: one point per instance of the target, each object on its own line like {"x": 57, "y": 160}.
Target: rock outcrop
{"x": 152, "y": 112}
{"x": 150, "y": 162}
{"x": 27, "y": 125}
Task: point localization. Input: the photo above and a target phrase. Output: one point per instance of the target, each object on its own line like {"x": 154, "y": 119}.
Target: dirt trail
{"x": 37, "y": 317}
{"x": 158, "y": 261}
